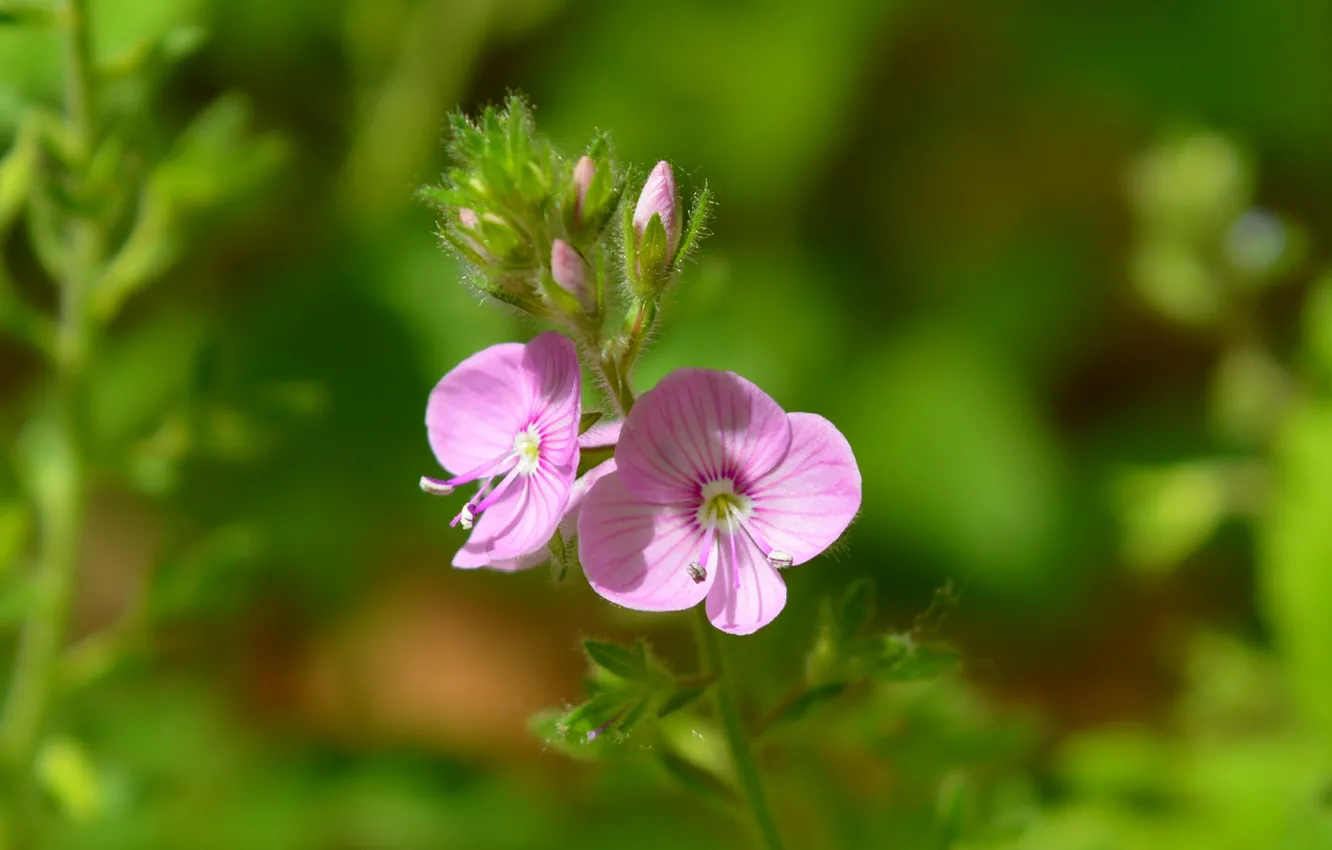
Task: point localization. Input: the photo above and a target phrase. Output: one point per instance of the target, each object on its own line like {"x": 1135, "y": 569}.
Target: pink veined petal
{"x": 602, "y": 435}
{"x": 534, "y": 517}
{"x": 475, "y": 555}
{"x": 809, "y": 499}
{"x": 695, "y": 426}
{"x": 578, "y": 495}
{"x": 637, "y": 554}
{"x": 760, "y": 596}
{"x": 554, "y": 378}
{"x": 477, "y": 408}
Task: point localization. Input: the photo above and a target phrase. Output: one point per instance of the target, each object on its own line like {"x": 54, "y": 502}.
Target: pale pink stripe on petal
{"x": 806, "y": 503}
{"x": 695, "y": 426}
{"x": 476, "y": 409}
{"x": 760, "y": 596}
{"x": 637, "y": 554}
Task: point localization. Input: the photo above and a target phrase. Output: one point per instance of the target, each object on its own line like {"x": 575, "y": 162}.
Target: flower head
{"x": 660, "y": 198}
{"x": 716, "y": 488}
{"x": 509, "y": 412}
{"x": 570, "y": 272}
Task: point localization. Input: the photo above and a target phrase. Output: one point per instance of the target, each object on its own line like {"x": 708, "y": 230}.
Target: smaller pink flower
{"x": 660, "y": 198}
{"x": 716, "y": 488}
{"x": 584, "y": 170}
{"x": 509, "y": 412}
{"x": 570, "y": 272}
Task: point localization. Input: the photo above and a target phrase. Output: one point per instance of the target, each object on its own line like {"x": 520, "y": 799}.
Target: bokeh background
{"x": 1053, "y": 268}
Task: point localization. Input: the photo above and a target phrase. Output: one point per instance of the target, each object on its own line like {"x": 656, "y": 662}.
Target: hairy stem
{"x": 728, "y": 710}
{"x": 59, "y": 499}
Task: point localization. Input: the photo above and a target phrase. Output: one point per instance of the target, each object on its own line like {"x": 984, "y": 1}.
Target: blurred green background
{"x": 1002, "y": 245}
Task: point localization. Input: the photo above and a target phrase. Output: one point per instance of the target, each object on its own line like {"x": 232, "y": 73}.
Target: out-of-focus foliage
{"x": 1057, "y": 271}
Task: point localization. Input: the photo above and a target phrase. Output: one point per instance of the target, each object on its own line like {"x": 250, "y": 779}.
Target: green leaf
{"x": 905, "y": 660}
{"x": 1295, "y": 553}
{"x": 27, "y": 13}
{"x": 859, "y": 603}
{"x": 696, "y": 779}
{"x": 588, "y": 419}
{"x": 807, "y": 702}
{"x": 681, "y": 698}
{"x": 652, "y": 257}
{"x": 618, "y": 660}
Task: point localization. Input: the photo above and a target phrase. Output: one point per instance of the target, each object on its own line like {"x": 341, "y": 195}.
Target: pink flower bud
{"x": 467, "y": 218}
{"x": 660, "y": 197}
{"x": 570, "y": 272}
{"x": 582, "y": 178}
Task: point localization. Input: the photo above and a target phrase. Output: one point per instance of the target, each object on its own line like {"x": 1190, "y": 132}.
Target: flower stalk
{"x": 60, "y": 494}
{"x": 733, "y": 727}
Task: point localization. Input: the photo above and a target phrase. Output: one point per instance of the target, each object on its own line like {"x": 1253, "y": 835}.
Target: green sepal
{"x": 857, "y": 608}
{"x": 526, "y": 303}
{"x": 558, "y": 559}
{"x": 652, "y": 268}
{"x": 903, "y": 659}
{"x": 694, "y": 231}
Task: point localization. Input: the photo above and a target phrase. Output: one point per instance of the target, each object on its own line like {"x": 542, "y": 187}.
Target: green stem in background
{"x": 728, "y": 710}
{"x": 59, "y": 501}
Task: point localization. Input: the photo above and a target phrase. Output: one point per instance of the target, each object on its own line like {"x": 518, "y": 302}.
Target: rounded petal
{"x": 808, "y": 500}
{"x": 477, "y": 408}
{"x": 578, "y": 495}
{"x": 603, "y": 435}
{"x": 533, "y": 517}
{"x": 695, "y": 426}
{"x": 554, "y": 375}
{"x": 637, "y": 554}
{"x": 748, "y": 594}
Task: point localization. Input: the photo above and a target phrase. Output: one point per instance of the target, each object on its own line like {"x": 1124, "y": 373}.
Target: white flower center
{"x": 527, "y": 448}
{"x": 723, "y": 509}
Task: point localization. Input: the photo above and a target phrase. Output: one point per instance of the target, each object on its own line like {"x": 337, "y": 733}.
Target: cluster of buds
{"x": 534, "y": 227}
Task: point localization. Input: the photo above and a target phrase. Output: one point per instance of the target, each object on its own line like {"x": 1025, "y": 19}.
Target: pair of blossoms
{"x": 711, "y": 490}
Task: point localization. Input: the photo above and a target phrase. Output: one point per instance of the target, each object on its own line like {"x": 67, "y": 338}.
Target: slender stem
{"x": 728, "y": 709}
{"x": 59, "y": 496}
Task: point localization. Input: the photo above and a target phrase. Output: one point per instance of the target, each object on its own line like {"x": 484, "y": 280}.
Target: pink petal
{"x": 760, "y": 596}
{"x": 554, "y": 378}
{"x": 637, "y": 554}
{"x": 475, "y": 555}
{"x": 695, "y": 426}
{"x": 602, "y": 435}
{"x": 476, "y": 409}
{"x": 809, "y": 499}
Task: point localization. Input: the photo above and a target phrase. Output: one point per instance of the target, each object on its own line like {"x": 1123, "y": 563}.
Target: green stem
{"x": 60, "y": 497}
{"x": 728, "y": 710}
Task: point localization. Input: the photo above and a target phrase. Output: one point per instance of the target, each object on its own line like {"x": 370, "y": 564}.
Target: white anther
{"x": 435, "y": 487}
{"x": 780, "y": 559}
{"x": 698, "y": 573}
{"x": 466, "y": 518}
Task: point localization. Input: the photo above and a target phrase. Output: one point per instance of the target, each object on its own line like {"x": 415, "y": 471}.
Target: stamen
{"x": 776, "y": 557}
{"x": 495, "y": 494}
{"x": 698, "y": 572}
{"x": 465, "y": 517}
{"x": 780, "y": 559}
{"x": 435, "y": 487}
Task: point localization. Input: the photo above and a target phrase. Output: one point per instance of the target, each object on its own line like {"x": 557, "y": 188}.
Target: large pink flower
{"x": 716, "y": 488}
{"x": 510, "y": 410}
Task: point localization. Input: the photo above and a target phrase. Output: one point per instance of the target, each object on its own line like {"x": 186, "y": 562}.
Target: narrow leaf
{"x": 615, "y": 659}
{"x": 806, "y": 702}
{"x": 588, "y": 419}
{"x": 698, "y": 780}
{"x": 680, "y": 698}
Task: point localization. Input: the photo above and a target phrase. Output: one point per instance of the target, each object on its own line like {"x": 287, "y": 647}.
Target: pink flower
{"x": 570, "y": 272}
{"x": 583, "y": 172}
{"x": 510, "y": 410}
{"x": 716, "y": 489}
{"x": 660, "y": 197}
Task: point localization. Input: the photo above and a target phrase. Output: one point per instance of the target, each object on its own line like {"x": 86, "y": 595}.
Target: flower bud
{"x": 660, "y": 197}
{"x": 467, "y": 218}
{"x": 570, "y": 272}
{"x": 582, "y": 178}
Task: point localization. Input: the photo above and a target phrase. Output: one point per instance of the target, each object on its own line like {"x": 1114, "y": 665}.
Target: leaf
{"x": 587, "y": 420}
{"x": 616, "y": 659}
{"x": 698, "y": 218}
{"x": 905, "y": 660}
{"x": 858, "y": 607}
{"x": 696, "y": 779}
{"x": 806, "y": 702}
{"x": 680, "y": 698}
